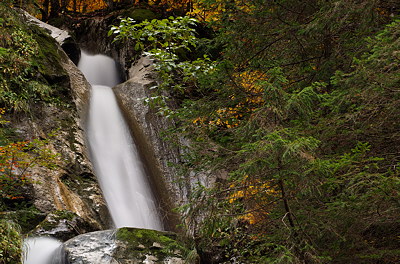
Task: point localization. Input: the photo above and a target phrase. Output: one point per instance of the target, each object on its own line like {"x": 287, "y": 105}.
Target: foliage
{"x": 27, "y": 81}
{"x": 297, "y": 102}
{"x": 166, "y": 41}
{"x": 24, "y": 81}
{"x": 23, "y": 87}
{"x": 170, "y": 34}
{"x": 306, "y": 133}
{"x": 10, "y": 243}
{"x": 15, "y": 161}
{"x": 50, "y": 10}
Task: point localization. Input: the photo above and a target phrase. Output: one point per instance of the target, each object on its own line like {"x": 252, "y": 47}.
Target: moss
{"x": 47, "y": 225}
{"x": 382, "y": 254}
{"x": 49, "y": 58}
{"x": 142, "y": 242}
{"x": 64, "y": 214}
{"x": 48, "y": 61}
{"x": 55, "y": 217}
{"x": 28, "y": 219}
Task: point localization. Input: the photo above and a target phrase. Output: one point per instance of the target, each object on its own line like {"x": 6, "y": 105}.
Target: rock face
{"x": 63, "y": 38}
{"x": 72, "y": 186}
{"x": 148, "y": 128}
{"x": 126, "y": 246}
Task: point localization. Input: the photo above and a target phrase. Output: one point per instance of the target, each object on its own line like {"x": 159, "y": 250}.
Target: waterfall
{"x": 114, "y": 155}
{"x": 40, "y": 250}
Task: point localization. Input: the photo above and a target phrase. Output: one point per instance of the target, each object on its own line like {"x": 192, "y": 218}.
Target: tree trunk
{"x": 286, "y": 204}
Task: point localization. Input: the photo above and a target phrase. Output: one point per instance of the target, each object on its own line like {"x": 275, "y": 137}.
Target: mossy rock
{"x": 49, "y": 59}
{"x": 143, "y": 244}
{"x": 53, "y": 219}
{"x": 63, "y": 225}
{"x": 140, "y": 15}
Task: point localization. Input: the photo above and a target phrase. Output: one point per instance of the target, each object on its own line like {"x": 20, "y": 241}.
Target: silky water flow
{"x": 115, "y": 159}
{"x": 114, "y": 155}
{"x": 40, "y": 250}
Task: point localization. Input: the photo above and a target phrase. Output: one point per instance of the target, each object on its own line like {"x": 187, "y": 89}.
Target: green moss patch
{"x": 142, "y": 242}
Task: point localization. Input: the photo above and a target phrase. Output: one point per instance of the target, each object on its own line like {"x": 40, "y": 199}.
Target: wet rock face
{"x": 126, "y": 246}
{"x": 147, "y": 128}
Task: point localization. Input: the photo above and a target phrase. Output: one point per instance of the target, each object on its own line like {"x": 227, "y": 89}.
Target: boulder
{"x": 63, "y": 225}
{"x": 128, "y": 245}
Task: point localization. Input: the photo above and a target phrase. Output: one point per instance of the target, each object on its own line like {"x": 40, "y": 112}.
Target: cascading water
{"x": 40, "y": 250}
{"x": 114, "y": 155}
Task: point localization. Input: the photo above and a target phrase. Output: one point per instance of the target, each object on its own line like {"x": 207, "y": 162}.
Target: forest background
{"x": 295, "y": 104}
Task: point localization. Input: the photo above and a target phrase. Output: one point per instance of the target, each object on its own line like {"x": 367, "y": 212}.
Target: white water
{"x": 40, "y": 250}
{"x": 114, "y": 155}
